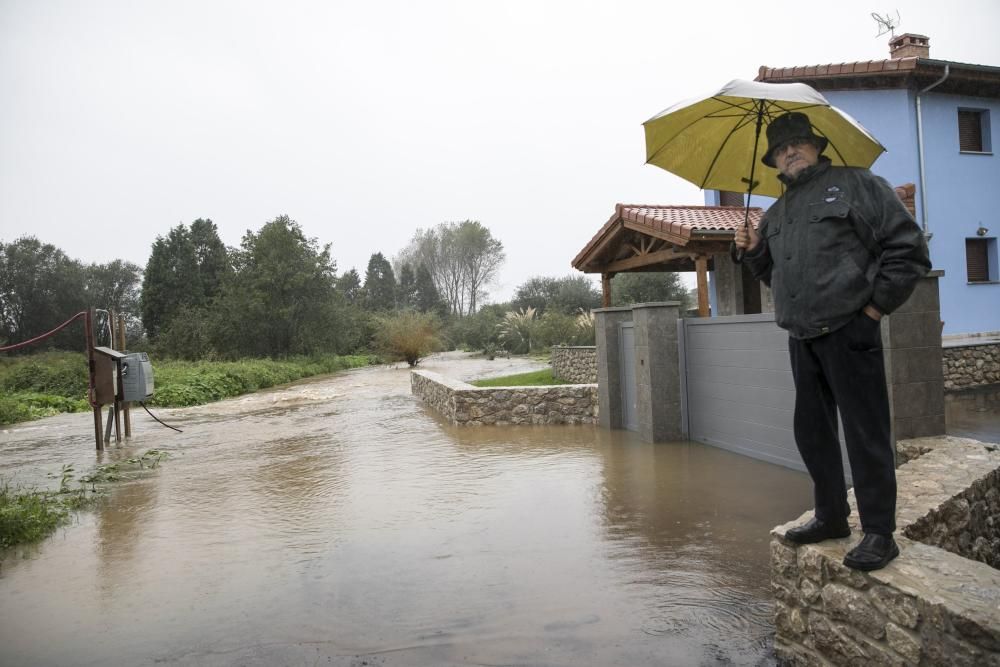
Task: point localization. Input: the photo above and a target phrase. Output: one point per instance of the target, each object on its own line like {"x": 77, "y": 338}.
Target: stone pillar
{"x": 911, "y": 337}
{"x": 728, "y": 280}
{"x": 657, "y": 372}
{"x": 609, "y": 372}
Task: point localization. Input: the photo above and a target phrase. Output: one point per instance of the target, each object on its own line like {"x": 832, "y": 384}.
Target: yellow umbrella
{"x": 714, "y": 141}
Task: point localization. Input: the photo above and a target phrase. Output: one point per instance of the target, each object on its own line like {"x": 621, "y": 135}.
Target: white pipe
{"x": 920, "y": 153}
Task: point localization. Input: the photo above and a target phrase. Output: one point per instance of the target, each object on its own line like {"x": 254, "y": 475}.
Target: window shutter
{"x": 970, "y": 131}
{"x": 976, "y": 265}
{"x": 727, "y": 198}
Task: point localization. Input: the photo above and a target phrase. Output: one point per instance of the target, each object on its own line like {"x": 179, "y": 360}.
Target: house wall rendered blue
{"x": 961, "y": 188}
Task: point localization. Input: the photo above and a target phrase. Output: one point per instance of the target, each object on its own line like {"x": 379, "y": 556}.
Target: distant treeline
{"x": 279, "y": 294}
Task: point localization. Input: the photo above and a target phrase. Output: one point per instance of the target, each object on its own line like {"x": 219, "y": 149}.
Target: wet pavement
{"x": 338, "y": 521}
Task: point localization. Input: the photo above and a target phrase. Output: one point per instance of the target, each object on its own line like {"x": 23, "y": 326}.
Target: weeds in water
{"x": 29, "y": 515}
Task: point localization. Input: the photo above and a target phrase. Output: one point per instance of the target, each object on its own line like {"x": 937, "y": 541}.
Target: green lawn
{"x": 533, "y": 379}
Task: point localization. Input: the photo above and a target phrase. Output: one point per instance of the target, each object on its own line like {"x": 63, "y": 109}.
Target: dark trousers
{"x": 845, "y": 370}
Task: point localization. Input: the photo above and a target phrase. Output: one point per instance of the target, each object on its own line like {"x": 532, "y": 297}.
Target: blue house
{"x": 935, "y": 118}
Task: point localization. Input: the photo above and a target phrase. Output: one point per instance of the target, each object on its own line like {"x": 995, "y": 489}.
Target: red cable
{"x": 26, "y": 343}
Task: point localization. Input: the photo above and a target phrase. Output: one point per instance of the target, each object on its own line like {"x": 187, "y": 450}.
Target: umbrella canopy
{"x": 716, "y": 141}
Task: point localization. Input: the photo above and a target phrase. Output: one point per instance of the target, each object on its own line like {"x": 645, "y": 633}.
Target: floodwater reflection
{"x": 339, "y": 521}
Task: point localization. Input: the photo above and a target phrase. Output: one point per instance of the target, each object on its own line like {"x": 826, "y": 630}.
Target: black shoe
{"x": 816, "y": 531}
{"x": 873, "y": 552}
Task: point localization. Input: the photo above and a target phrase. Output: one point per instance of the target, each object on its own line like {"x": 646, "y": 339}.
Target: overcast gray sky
{"x": 364, "y": 121}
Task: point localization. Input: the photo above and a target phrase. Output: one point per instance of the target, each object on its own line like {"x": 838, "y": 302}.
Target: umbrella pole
{"x": 737, "y": 253}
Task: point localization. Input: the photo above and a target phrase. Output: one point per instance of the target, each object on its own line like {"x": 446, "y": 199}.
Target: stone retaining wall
{"x": 466, "y": 405}
{"x": 575, "y": 364}
{"x": 930, "y": 606}
{"x": 971, "y": 365}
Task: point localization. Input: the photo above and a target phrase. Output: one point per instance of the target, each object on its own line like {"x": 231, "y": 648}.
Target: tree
{"x": 115, "y": 286}
{"x": 406, "y": 296}
{"x": 426, "y": 298}
{"x": 629, "y": 288}
{"x": 185, "y": 268}
{"x": 481, "y": 256}
{"x": 565, "y": 295}
{"x": 280, "y": 299}
{"x": 40, "y": 288}
{"x": 349, "y": 285}
{"x": 211, "y": 257}
{"x": 462, "y": 259}
{"x": 170, "y": 279}
{"x": 380, "y": 284}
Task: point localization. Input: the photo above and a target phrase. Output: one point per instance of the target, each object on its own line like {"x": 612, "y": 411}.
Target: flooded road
{"x": 338, "y": 521}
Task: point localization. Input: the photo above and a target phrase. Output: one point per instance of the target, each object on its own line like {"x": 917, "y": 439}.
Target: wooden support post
{"x": 606, "y": 290}
{"x": 701, "y": 265}
{"x": 118, "y": 380}
{"x": 121, "y": 346}
{"x": 92, "y": 365}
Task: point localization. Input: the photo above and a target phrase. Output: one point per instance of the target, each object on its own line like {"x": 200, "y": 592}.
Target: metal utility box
{"x": 137, "y": 377}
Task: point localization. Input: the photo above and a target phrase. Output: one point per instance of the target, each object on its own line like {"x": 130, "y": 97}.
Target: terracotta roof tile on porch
{"x": 654, "y": 237}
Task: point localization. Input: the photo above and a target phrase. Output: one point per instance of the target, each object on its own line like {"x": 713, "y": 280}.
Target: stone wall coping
{"x": 656, "y": 304}
{"x": 612, "y": 309}
{"x": 450, "y": 383}
{"x": 970, "y": 339}
{"x": 458, "y": 385}
{"x": 963, "y": 586}
{"x": 574, "y": 347}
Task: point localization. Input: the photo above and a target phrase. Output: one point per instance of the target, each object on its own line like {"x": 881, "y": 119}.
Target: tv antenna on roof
{"x": 886, "y": 23}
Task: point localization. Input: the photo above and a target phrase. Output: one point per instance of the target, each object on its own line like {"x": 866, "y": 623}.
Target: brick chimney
{"x": 910, "y": 46}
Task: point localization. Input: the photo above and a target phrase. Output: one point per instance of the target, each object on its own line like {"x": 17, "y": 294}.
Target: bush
{"x": 517, "y": 330}
{"x": 58, "y": 373}
{"x": 409, "y": 336}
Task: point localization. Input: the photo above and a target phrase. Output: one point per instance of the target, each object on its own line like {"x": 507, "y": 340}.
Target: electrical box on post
{"x": 137, "y": 377}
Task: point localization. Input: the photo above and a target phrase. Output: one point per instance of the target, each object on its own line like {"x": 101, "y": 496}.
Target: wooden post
{"x": 701, "y": 264}
{"x": 606, "y": 289}
{"x": 118, "y": 380}
{"x": 92, "y": 364}
{"x": 121, "y": 346}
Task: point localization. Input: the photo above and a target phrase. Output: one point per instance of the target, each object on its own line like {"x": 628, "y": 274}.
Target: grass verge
{"x": 45, "y": 384}
{"x": 533, "y": 379}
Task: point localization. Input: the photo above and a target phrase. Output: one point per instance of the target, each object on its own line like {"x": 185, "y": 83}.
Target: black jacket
{"x": 838, "y": 239}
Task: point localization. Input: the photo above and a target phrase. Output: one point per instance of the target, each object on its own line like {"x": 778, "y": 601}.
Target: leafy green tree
{"x": 629, "y": 288}
{"x": 211, "y": 257}
{"x": 40, "y": 288}
{"x": 185, "y": 268}
{"x": 281, "y": 298}
{"x": 170, "y": 279}
{"x": 408, "y": 336}
{"x": 380, "y": 284}
{"x": 565, "y": 295}
{"x": 349, "y": 285}
{"x": 426, "y": 297}
{"x": 406, "y": 296}
{"x": 115, "y": 287}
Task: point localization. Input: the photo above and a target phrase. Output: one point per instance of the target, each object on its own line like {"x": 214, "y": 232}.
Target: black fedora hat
{"x": 788, "y": 127}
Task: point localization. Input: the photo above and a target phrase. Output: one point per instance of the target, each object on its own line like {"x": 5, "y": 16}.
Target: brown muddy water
{"x": 337, "y": 521}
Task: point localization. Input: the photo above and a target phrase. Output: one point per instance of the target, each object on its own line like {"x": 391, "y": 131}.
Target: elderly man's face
{"x": 794, "y": 156}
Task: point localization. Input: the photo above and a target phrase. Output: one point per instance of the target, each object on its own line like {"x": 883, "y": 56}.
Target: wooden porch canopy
{"x": 641, "y": 237}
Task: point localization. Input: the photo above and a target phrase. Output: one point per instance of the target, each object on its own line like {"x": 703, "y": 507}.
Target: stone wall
{"x": 930, "y": 606}
{"x": 968, "y": 366}
{"x": 575, "y": 364}
{"x": 465, "y": 405}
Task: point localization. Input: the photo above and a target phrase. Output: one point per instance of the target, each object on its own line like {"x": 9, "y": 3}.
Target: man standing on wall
{"x": 839, "y": 251}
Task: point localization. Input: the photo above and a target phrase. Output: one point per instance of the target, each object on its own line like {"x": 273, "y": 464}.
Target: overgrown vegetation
{"x": 408, "y": 336}
{"x": 30, "y": 515}
{"x": 533, "y": 379}
{"x": 53, "y": 382}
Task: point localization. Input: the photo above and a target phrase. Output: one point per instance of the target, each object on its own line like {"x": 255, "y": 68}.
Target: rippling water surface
{"x": 338, "y": 521}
